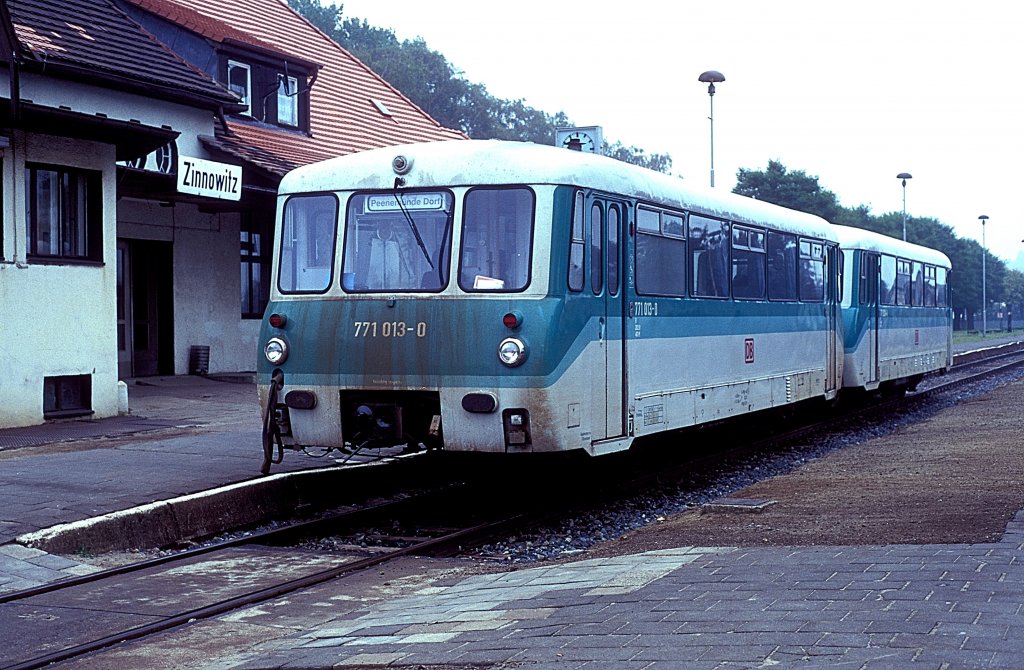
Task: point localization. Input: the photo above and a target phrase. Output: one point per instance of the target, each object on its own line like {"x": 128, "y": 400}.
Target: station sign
{"x": 210, "y": 179}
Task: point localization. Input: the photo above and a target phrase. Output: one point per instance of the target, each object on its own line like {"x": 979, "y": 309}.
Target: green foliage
{"x": 1013, "y": 285}
{"x": 636, "y": 156}
{"x": 796, "y": 190}
{"x": 427, "y": 79}
{"x": 793, "y": 189}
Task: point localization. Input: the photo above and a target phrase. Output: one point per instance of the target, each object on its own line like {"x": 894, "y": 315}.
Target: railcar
{"x": 897, "y": 316}
{"x": 505, "y": 297}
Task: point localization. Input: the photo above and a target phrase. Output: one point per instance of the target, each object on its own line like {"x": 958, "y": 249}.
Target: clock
{"x": 579, "y": 139}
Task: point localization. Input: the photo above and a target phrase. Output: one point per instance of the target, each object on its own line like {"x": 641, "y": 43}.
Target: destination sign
{"x": 418, "y": 201}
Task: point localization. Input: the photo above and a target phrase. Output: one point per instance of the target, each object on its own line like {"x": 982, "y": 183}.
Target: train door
{"x": 870, "y": 275}
{"x": 607, "y": 220}
{"x": 832, "y": 298}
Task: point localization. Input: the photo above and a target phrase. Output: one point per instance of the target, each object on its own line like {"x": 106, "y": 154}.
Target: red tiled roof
{"x": 94, "y": 39}
{"x": 208, "y": 27}
{"x": 247, "y": 142}
{"x": 344, "y": 118}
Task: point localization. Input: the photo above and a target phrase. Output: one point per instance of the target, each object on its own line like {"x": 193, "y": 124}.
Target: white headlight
{"x": 276, "y": 351}
{"x": 512, "y": 351}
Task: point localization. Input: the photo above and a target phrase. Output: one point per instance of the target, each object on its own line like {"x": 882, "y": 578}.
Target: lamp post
{"x": 711, "y": 77}
{"x": 984, "y": 298}
{"x": 904, "y": 176}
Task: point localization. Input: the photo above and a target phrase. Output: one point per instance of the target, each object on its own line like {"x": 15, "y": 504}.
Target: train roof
{"x": 868, "y": 240}
{"x": 476, "y": 162}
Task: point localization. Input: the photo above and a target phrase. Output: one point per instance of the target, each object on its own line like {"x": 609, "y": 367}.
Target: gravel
{"x": 576, "y": 534}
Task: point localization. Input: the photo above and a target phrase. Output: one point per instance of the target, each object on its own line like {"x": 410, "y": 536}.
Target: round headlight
{"x": 512, "y": 351}
{"x": 276, "y": 351}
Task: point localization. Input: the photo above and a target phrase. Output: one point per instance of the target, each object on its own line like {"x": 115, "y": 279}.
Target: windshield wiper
{"x": 415, "y": 230}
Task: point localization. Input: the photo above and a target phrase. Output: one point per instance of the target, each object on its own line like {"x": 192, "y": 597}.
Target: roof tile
{"x": 96, "y": 37}
{"x": 343, "y": 117}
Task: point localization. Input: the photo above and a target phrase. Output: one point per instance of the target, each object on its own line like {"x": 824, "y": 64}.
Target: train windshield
{"x": 397, "y": 241}
{"x": 497, "y": 239}
{"x": 307, "y": 244}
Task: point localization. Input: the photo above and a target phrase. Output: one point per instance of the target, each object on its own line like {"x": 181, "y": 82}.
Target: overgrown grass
{"x": 968, "y": 336}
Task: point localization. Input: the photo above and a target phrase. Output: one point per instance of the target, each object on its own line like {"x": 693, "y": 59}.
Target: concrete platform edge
{"x": 202, "y": 514}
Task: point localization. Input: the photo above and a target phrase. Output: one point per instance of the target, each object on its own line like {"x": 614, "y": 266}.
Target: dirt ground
{"x": 955, "y": 478}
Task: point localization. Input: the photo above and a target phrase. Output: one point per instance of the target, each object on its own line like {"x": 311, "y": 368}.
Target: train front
{"x": 402, "y": 309}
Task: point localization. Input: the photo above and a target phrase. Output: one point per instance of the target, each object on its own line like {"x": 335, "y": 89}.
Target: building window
{"x": 68, "y": 395}
{"x": 274, "y": 91}
{"x": 288, "y": 101}
{"x": 255, "y": 269}
{"x": 240, "y": 83}
{"x": 63, "y": 214}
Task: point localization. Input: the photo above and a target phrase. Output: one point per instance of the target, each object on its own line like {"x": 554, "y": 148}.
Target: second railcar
{"x": 897, "y": 315}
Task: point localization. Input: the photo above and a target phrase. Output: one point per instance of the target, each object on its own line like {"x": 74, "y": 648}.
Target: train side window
{"x": 576, "y": 245}
{"x": 868, "y": 276}
{"x": 307, "y": 244}
{"x": 917, "y": 288}
{"x": 748, "y": 263}
{"x": 782, "y": 262}
{"x": 864, "y": 281}
{"x": 903, "y": 283}
{"x": 708, "y": 246}
{"x": 660, "y": 253}
{"x": 812, "y": 271}
{"x": 596, "y": 238}
{"x": 929, "y": 286}
{"x": 941, "y": 295}
{"x": 840, "y": 259}
{"x": 888, "y": 281}
{"x": 614, "y": 228}
{"x": 497, "y": 239}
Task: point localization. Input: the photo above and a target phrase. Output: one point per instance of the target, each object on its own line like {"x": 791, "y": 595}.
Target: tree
{"x": 636, "y": 156}
{"x": 1014, "y": 286}
{"x": 795, "y": 190}
{"x": 432, "y": 83}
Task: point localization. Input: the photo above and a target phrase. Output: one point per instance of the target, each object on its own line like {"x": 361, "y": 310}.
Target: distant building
{"x": 142, "y": 142}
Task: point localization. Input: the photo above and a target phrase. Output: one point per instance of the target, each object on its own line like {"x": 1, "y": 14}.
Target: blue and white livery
{"x": 504, "y": 297}
{"x": 896, "y": 311}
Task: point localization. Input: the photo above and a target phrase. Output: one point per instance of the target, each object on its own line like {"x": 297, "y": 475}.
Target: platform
{"x": 913, "y": 605}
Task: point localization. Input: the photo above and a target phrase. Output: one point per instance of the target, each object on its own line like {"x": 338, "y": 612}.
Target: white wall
{"x": 55, "y": 320}
{"x": 207, "y": 280}
{"x": 189, "y": 121}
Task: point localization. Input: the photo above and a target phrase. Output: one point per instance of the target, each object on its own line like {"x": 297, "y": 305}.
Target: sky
{"x": 852, "y": 93}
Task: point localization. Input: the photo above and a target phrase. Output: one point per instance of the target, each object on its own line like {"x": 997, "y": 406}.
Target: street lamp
{"x": 984, "y": 298}
{"x": 904, "y": 176}
{"x": 711, "y": 77}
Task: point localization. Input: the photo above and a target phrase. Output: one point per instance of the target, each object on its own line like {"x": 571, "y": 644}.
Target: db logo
{"x": 748, "y": 350}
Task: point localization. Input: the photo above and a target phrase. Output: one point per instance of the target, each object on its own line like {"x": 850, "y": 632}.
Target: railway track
{"x": 142, "y": 599}
{"x": 148, "y": 597}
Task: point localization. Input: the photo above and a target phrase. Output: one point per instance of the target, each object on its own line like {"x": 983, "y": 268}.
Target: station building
{"x": 141, "y": 144}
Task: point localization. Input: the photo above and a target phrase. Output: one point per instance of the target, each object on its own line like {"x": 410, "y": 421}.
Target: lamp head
{"x": 711, "y": 77}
